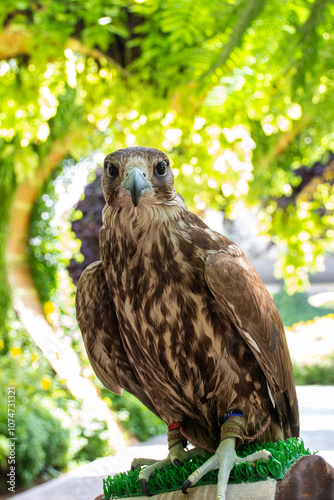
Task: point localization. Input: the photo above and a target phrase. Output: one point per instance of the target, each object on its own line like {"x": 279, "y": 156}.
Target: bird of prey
{"x": 176, "y": 315}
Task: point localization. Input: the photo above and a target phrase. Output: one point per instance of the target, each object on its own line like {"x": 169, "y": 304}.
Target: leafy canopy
{"x": 239, "y": 93}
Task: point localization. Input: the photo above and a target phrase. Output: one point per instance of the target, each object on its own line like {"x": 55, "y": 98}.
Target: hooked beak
{"x": 136, "y": 183}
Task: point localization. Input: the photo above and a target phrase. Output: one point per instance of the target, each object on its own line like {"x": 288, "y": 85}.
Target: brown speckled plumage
{"x": 175, "y": 314}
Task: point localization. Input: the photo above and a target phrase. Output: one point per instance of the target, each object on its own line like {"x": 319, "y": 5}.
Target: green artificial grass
{"x": 171, "y": 478}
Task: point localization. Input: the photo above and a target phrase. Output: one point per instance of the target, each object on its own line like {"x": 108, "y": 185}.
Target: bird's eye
{"x": 112, "y": 170}
{"x": 161, "y": 168}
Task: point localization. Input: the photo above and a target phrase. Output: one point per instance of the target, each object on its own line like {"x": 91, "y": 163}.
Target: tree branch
{"x": 16, "y": 43}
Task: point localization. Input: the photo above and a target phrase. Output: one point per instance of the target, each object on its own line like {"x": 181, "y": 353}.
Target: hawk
{"x": 176, "y": 315}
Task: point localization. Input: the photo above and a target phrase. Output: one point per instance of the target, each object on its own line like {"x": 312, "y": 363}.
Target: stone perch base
{"x": 311, "y": 478}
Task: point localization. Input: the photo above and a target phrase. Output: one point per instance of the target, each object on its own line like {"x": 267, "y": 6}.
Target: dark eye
{"x": 161, "y": 168}
{"x": 112, "y": 170}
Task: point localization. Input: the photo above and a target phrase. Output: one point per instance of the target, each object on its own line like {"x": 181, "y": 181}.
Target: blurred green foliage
{"x": 95, "y": 443}
{"x": 7, "y": 183}
{"x": 318, "y": 373}
{"x": 50, "y": 436}
{"x": 240, "y": 94}
{"x": 48, "y": 255}
{"x": 43, "y": 441}
{"x": 138, "y": 420}
{"x": 51, "y": 428}
{"x": 296, "y": 308}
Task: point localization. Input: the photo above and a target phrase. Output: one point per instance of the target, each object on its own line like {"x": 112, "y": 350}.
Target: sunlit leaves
{"x": 26, "y": 162}
{"x": 116, "y": 74}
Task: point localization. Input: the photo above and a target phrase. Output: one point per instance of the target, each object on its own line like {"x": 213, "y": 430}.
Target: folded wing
{"x": 237, "y": 287}
{"x": 99, "y": 326}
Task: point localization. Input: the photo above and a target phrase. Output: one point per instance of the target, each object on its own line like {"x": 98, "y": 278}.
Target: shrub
{"x": 42, "y": 443}
{"x": 95, "y": 445}
{"x": 42, "y": 440}
{"x": 134, "y": 416}
{"x": 319, "y": 373}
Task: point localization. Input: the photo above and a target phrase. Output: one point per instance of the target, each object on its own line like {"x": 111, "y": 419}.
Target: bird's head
{"x": 132, "y": 173}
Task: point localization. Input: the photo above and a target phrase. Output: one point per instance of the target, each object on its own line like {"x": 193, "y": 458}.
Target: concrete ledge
{"x": 264, "y": 490}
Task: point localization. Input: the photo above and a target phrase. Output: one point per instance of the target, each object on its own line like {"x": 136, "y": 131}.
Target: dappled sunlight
{"x": 321, "y": 299}
{"x": 70, "y": 185}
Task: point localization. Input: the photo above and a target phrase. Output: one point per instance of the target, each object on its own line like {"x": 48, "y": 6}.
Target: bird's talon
{"x": 143, "y": 484}
{"x": 133, "y": 468}
{"x": 177, "y": 462}
{"x": 185, "y": 486}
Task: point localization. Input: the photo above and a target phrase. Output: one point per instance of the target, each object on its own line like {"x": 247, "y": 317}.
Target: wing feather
{"x": 237, "y": 287}
{"x": 99, "y": 326}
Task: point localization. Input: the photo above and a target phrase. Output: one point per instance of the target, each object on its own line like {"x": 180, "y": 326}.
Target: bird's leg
{"x": 225, "y": 457}
{"x": 176, "y": 455}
